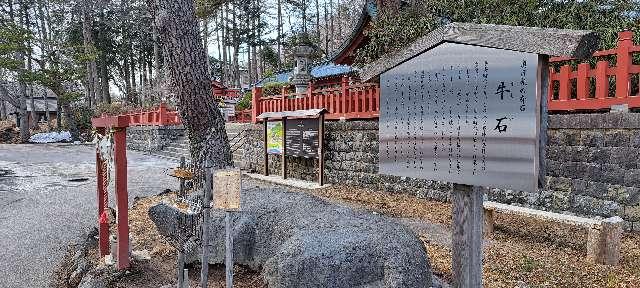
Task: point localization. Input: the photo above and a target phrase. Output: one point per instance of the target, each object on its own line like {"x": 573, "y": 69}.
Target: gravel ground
{"x": 41, "y": 211}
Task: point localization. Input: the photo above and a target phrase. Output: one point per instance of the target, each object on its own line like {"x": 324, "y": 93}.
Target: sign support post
{"x": 284, "y": 148}
{"x": 266, "y": 148}
{"x": 206, "y": 208}
{"x": 467, "y": 222}
{"x": 228, "y": 243}
{"x": 321, "y": 149}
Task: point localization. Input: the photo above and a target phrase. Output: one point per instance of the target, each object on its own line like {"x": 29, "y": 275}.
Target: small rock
{"x": 90, "y": 281}
{"x": 141, "y": 255}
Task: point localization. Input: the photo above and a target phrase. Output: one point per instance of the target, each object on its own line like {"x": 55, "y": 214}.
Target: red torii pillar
{"x": 103, "y": 125}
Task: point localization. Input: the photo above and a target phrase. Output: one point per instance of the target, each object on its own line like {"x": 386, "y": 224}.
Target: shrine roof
{"x": 543, "y": 41}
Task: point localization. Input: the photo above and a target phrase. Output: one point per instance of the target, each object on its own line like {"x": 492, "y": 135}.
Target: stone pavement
{"x": 41, "y": 210}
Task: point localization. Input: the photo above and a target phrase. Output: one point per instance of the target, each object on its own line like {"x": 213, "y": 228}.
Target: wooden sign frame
{"x": 284, "y": 163}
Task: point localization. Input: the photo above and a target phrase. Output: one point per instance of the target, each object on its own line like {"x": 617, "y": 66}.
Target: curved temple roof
{"x": 543, "y": 41}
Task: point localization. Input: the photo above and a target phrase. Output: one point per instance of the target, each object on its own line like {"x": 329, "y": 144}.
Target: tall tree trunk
{"x": 279, "y": 36}
{"x": 318, "y": 21}
{"x": 225, "y": 15}
{"x": 45, "y": 96}
{"x": 205, "y": 37}
{"x": 104, "y": 79}
{"x": 89, "y": 48}
{"x": 188, "y": 78}
{"x": 127, "y": 79}
{"x": 156, "y": 55}
{"x": 3, "y": 110}
{"x": 134, "y": 87}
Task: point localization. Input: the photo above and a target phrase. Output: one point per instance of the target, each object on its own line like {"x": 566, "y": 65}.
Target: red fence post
{"x": 103, "y": 219}
{"x": 583, "y": 81}
{"x": 565, "y": 83}
{"x": 283, "y": 97}
{"x": 623, "y": 65}
{"x": 344, "y": 94}
{"x": 256, "y": 94}
{"x": 162, "y": 114}
{"x": 122, "y": 199}
{"x": 602, "y": 81}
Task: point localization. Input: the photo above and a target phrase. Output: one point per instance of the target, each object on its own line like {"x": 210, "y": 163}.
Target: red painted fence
{"x": 159, "y": 117}
{"x": 594, "y": 89}
{"x": 356, "y": 101}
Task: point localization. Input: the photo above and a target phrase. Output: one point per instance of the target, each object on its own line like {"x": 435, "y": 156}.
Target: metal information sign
{"x": 274, "y": 137}
{"x": 463, "y": 114}
{"x": 302, "y": 137}
{"x": 227, "y": 185}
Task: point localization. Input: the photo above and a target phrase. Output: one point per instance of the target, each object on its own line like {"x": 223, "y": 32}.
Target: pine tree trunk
{"x": 188, "y": 79}
{"x": 127, "y": 80}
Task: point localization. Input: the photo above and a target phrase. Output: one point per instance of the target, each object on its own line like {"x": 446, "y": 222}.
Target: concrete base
{"x": 296, "y": 183}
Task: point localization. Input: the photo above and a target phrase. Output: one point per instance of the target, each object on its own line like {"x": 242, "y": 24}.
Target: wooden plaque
{"x": 226, "y": 189}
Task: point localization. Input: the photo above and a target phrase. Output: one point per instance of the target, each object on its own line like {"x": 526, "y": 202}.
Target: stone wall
{"x": 593, "y": 165}
{"x": 152, "y": 138}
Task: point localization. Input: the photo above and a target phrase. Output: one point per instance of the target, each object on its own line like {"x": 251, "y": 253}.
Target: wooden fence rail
{"x": 600, "y": 87}
{"x": 356, "y": 101}
{"x": 158, "y": 117}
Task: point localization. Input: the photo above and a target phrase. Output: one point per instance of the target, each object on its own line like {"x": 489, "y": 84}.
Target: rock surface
{"x": 303, "y": 241}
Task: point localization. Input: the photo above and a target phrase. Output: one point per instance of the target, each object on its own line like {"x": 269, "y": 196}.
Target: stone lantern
{"x": 301, "y": 75}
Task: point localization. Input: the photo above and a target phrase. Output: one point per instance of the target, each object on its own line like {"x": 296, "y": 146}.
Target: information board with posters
{"x": 302, "y": 137}
{"x": 274, "y": 137}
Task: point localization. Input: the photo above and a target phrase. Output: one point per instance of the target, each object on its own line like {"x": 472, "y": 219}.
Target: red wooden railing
{"x": 589, "y": 89}
{"x": 159, "y": 117}
{"x": 356, "y": 101}
{"x": 242, "y": 116}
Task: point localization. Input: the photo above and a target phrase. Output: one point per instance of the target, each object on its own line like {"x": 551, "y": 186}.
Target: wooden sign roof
{"x": 543, "y": 41}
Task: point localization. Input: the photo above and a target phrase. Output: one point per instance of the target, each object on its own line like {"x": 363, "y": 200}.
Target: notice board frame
{"x": 318, "y": 114}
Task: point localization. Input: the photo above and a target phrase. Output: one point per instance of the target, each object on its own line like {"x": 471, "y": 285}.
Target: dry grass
{"x": 160, "y": 270}
{"x": 538, "y": 253}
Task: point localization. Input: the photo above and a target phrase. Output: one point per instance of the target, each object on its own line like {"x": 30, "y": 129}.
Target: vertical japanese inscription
{"x": 467, "y": 114}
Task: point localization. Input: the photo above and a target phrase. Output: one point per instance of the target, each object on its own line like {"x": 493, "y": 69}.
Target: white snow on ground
{"x": 51, "y": 137}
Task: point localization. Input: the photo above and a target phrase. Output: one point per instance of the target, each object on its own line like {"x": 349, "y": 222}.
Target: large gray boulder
{"x": 299, "y": 240}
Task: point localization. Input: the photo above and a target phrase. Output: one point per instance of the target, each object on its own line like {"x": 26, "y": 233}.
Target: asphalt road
{"x": 41, "y": 211}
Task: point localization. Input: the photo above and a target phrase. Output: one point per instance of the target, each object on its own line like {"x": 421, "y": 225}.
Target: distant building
{"x": 43, "y": 102}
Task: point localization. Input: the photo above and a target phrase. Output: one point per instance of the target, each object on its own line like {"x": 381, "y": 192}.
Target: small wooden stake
{"x": 228, "y": 249}
{"x": 467, "y": 236}
{"x": 206, "y": 206}
{"x": 180, "y": 270}
{"x": 321, "y": 149}
{"x": 284, "y": 148}
{"x": 266, "y": 148}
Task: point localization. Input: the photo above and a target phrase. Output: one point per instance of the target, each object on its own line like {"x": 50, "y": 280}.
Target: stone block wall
{"x": 152, "y": 138}
{"x": 593, "y": 165}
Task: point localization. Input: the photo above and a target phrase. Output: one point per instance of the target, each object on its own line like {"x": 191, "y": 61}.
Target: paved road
{"x": 41, "y": 211}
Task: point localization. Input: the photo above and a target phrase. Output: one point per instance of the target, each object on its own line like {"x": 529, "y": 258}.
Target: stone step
{"x": 177, "y": 149}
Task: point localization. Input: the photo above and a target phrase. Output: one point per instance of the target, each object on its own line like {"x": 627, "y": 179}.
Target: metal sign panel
{"x": 462, "y": 114}
{"x": 274, "y": 137}
{"x": 302, "y": 137}
{"x": 227, "y": 185}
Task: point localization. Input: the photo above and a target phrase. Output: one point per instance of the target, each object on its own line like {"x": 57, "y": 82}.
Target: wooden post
{"x": 467, "y": 236}
{"x": 603, "y": 242}
{"x": 256, "y": 94}
{"x": 228, "y": 249}
{"x": 602, "y": 81}
{"x": 583, "y": 81}
{"x": 122, "y": 199}
{"x": 565, "y": 83}
{"x": 182, "y": 166}
{"x": 489, "y": 221}
{"x": 206, "y": 206}
{"x": 103, "y": 221}
{"x": 321, "y": 149}
{"x": 623, "y": 64}
{"x": 162, "y": 111}
{"x": 266, "y": 149}
{"x": 180, "y": 270}
{"x": 345, "y": 95}
{"x": 284, "y": 148}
